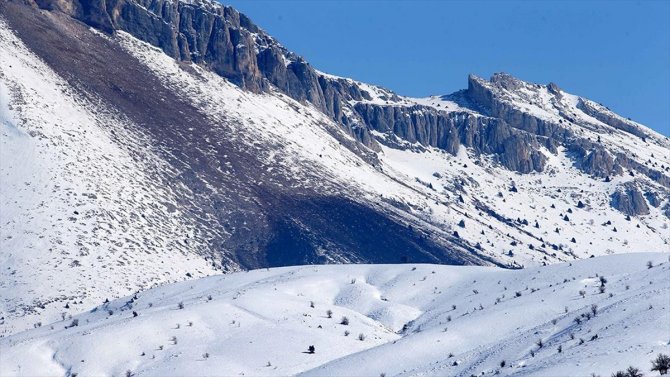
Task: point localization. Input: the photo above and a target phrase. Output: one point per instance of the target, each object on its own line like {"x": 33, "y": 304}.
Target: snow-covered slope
{"x": 415, "y": 320}
{"x": 78, "y": 216}
{"x": 124, "y": 166}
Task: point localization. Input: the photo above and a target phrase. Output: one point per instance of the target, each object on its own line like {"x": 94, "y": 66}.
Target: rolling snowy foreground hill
{"x": 402, "y": 320}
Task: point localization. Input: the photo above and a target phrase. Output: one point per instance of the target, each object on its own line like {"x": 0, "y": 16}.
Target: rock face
{"x": 230, "y": 44}
{"x": 609, "y": 118}
{"x": 490, "y": 120}
{"x": 630, "y": 201}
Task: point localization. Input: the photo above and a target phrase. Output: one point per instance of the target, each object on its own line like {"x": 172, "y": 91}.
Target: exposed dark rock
{"x": 599, "y": 163}
{"x": 629, "y": 200}
{"x": 488, "y": 101}
{"x": 653, "y": 198}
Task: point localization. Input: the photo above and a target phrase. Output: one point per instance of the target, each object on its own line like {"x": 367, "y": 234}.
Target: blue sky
{"x": 616, "y": 52}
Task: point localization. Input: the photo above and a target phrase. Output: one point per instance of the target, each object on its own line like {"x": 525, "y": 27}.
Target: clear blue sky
{"x": 615, "y": 52}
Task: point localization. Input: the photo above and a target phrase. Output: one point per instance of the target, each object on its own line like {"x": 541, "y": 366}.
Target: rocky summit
{"x": 151, "y": 141}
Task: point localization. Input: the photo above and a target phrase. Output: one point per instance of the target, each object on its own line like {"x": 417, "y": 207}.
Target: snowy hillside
{"x": 77, "y": 221}
{"x": 124, "y": 166}
{"x": 401, "y": 320}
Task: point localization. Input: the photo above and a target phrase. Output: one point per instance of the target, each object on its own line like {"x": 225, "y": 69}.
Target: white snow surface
{"x": 78, "y": 219}
{"x": 74, "y": 230}
{"x": 416, "y": 320}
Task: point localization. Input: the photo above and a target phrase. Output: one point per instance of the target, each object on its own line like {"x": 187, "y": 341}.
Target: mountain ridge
{"x": 228, "y": 173}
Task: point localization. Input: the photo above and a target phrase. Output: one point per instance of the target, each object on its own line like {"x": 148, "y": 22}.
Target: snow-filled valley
{"x": 369, "y": 320}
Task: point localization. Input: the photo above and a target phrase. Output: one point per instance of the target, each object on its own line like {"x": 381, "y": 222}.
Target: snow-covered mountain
{"x": 596, "y": 315}
{"x": 152, "y": 141}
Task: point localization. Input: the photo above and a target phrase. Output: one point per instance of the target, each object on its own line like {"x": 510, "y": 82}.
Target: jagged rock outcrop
{"x": 482, "y": 93}
{"x": 609, "y": 118}
{"x": 595, "y": 160}
{"x": 630, "y": 201}
{"x": 493, "y": 121}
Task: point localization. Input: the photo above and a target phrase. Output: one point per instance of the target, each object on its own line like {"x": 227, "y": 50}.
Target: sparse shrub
{"x": 205, "y": 355}
{"x": 346, "y": 333}
{"x": 582, "y": 293}
{"x": 311, "y": 304}
{"x": 129, "y": 373}
{"x": 329, "y": 313}
{"x": 661, "y": 364}
{"x": 581, "y": 341}
{"x": 311, "y": 349}
{"x": 594, "y": 309}
{"x": 361, "y": 337}
{"x": 601, "y": 289}
{"x": 180, "y": 305}
{"x": 650, "y": 264}
{"x": 502, "y": 364}
{"x": 633, "y": 372}
{"x": 560, "y": 349}
{"x": 517, "y": 293}
{"x": 173, "y": 340}
{"x": 344, "y": 321}
{"x": 539, "y": 343}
